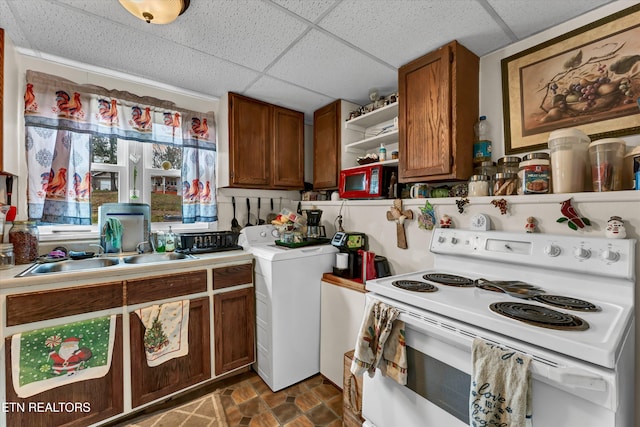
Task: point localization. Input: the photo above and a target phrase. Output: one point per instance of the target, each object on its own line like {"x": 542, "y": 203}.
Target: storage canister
{"x": 478, "y": 185}
{"x": 606, "y": 163}
{"x": 510, "y": 164}
{"x": 487, "y": 168}
{"x": 24, "y": 237}
{"x": 505, "y": 184}
{"x": 534, "y": 175}
{"x": 569, "y": 160}
{"x": 7, "y": 260}
{"x": 631, "y": 165}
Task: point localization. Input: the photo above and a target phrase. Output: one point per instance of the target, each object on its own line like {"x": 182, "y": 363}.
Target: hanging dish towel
{"x": 46, "y": 358}
{"x": 112, "y": 231}
{"x": 381, "y": 343}
{"x": 166, "y": 333}
{"x": 500, "y": 387}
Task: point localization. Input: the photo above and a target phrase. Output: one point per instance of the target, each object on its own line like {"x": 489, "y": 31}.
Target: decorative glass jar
{"x": 24, "y": 237}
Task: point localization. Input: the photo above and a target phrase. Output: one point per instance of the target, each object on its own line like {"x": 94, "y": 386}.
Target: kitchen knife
{"x": 9, "y": 184}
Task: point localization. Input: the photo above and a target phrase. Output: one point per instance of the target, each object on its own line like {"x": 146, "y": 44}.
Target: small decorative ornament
{"x": 427, "y": 217}
{"x": 530, "y": 226}
{"x": 571, "y": 216}
{"x": 399, "y": 216}
{"x": 445, "y": 221}
{"x": 500, "y": 204}
{"x": 461, "y": 203}
{"x": 615, "y": 228}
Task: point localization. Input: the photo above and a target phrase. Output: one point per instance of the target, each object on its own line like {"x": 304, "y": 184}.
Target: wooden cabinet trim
{"x": 327, "y": 148}
{"x": 166, "y": 286}
{"x": 344, "y": 283}
{"x": 44, "y": 305}
{"x": 105, "y": 395}
{"x": 151, "y": 383}
{"x": 225, "y": 277}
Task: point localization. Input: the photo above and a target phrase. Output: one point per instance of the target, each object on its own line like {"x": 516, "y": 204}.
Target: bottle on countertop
{"x": 170, "y": 240}
{"x": 482, "y": 143}
{"x": 382, "y": 153}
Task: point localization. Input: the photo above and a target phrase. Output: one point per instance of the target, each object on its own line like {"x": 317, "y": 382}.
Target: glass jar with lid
{"x": 478, "y": 185}
{"x": 7, "y": 260}
{"x": 510, "y": 164}
{"x": 24, "y": 237}
{"x": 487, "y": 168}
{"x": 505, "y": 184}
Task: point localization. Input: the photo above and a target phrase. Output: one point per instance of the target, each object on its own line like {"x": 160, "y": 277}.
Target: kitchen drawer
{"x": 163, "y": 287}
{"x": 44, "y": 305}
{"x": 225, "y": 277}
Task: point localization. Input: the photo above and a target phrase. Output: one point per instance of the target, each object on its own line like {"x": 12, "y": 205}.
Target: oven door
{"x": 564, "y": 391}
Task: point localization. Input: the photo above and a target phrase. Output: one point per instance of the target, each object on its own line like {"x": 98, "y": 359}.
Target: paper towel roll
{"x": 342, "y": 261}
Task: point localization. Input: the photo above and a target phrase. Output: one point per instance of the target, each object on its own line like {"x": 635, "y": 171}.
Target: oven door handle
{"x": 568, "y": 376}
{"x": 577, "y": 378}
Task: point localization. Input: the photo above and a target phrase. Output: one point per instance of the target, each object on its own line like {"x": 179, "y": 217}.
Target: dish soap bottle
{"x": 170, "y": 240}
{"x": 382, "y": 154}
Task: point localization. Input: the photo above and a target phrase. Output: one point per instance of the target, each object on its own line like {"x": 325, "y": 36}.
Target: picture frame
{"x": 588, "y": 78}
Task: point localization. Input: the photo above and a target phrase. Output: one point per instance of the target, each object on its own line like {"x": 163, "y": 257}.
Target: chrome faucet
{"x": 140, "y": 246}
{"x": 101, "y": 250}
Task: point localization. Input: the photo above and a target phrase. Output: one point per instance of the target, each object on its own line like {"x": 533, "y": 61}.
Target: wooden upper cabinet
{"x": 287, "y": 167}
{"x": 439, "y": 95}
{"x": 266, "y": 145}
{"x": 250, "y": 141}
{"x": 326, "y": 147}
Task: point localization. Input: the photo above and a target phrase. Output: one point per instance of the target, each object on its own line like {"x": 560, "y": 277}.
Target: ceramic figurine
{"x": 530, "y": 226}
{"x": 445, "y": 221}
{"x": 615, "y": 228}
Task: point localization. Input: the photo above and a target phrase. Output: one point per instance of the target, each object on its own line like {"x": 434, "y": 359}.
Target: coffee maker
{"x": 354, "y": 245}
{"x": 314, "y": 229}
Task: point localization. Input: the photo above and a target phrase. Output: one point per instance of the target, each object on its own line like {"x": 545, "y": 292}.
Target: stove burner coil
{"x": 539, "y": 316}
{"x": 414, "y": 285}
{"x": 448, "y": 279}
{"x": 567, "y": 303}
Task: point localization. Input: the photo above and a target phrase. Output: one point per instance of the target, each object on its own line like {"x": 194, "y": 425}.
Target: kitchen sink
{"x": 155, "y": 257}
{"x": 67, "y": 266}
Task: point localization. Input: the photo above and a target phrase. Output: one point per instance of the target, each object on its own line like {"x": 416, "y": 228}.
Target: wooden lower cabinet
{"x": 351, "y": 395}
{"x": 234, "y": 329}
{"x": 151, "y": 383}
{"x": 103, "y": 397}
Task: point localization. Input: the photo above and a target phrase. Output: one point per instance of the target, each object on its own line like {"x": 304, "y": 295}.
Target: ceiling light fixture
{"x": 156, "y": 11}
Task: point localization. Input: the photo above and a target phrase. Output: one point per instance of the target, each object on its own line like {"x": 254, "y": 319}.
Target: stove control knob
{"x": 552, "y": 250}
{"x": 610, "y": 256}
{"x": 441, "y": 239}
{"x": 582, "y": 253}
{"x": 454, "y": 240}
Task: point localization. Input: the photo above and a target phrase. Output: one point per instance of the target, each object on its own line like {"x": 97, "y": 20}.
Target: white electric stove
{"x": 578, "y": 328}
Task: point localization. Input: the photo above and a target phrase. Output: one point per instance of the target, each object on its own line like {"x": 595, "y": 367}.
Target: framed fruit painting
{"x": 588, "y": 78}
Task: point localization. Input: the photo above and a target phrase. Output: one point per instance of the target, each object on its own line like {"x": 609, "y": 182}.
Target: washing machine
{"x": 287, "y": 285}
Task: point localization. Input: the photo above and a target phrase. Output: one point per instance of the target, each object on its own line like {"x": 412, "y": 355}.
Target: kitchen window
{"x": 87, "y": 145}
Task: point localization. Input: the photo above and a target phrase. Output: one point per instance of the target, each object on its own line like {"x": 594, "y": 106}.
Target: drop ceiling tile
{"x": 310, "y": 9}
{"x": 538, "y": 15}
{"x": 324, "y": 65}
{"x": 10, "y": 25}
{"x": 246, "y": 32}
{"x": 400, "y": 31}
{"x": 287, "y": 95}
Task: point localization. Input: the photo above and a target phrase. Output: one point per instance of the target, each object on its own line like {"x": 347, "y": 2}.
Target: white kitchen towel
{"x": 54, "y": 356}
{"x": 500, "y": 387}
{"x": 166, "y": 333}
{"x": 381, "y": 343}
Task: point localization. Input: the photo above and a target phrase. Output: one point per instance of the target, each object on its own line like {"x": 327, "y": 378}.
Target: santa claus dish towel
{"x": 47, "y": 358}
{"x": 166, "y": 333}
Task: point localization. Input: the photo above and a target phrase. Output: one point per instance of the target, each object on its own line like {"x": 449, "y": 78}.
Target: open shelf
{"x": 388, "y": 112}
{"x": 390, "y": 137}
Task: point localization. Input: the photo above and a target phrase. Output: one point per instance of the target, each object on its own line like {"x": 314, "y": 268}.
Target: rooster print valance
{"x": 60, "y": 116}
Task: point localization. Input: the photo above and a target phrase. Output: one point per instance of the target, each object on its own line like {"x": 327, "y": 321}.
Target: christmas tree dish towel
{"x": 47, "y": 358}
{"x": 167, "y": 331}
